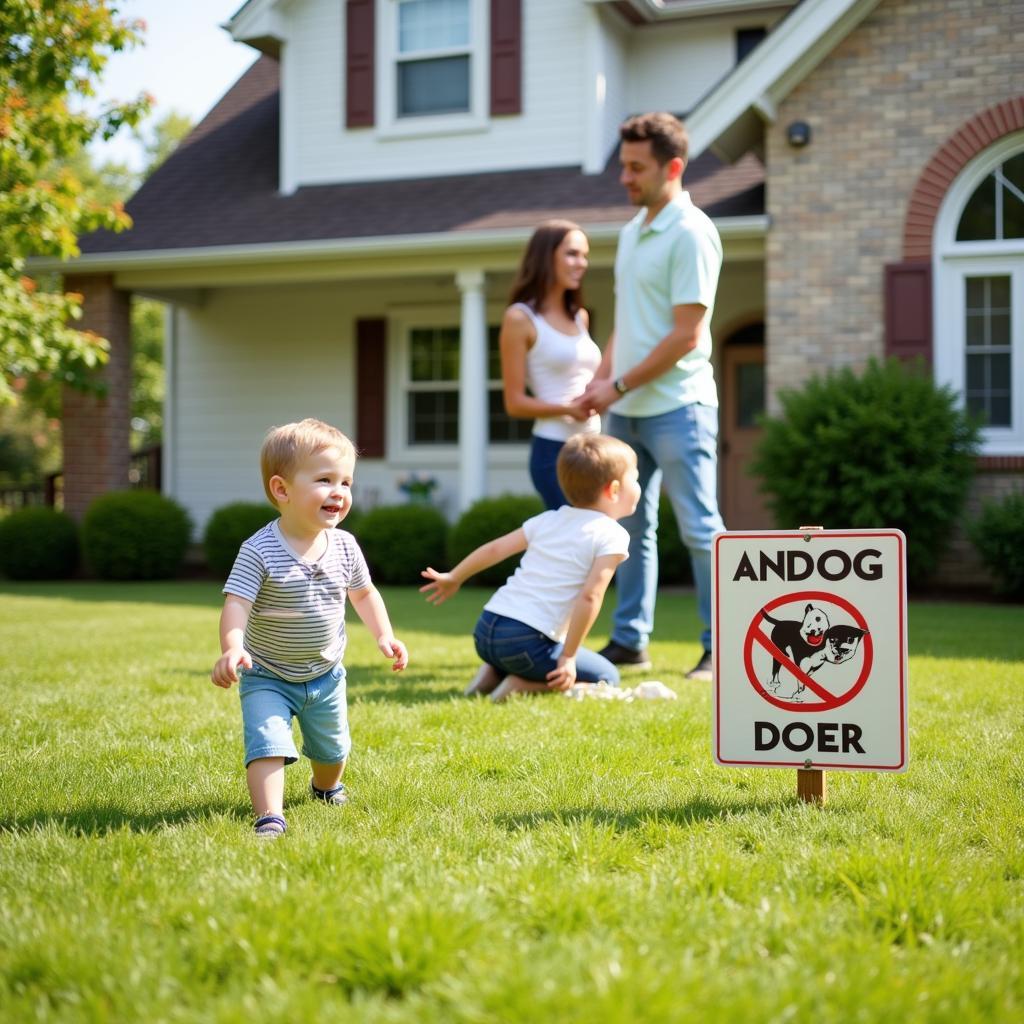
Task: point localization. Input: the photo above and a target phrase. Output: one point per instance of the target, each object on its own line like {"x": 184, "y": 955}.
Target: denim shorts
{"x": 269, "y": 703}
{"x": 515, "y": 649}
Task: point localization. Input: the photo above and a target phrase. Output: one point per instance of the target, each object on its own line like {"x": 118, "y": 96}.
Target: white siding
{"x": 549, "y": 132}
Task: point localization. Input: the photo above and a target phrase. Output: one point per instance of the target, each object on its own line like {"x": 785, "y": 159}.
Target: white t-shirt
{"x": 562, "y": 546}
{"x": 558, "y": 369}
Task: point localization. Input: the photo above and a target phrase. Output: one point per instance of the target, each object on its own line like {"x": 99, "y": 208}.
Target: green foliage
{"x": 673, "y": 556}
{"x": 400, "y": 540}
{"x": 38, "y": 544}
{"x": 228, "y": 527}
{"x": 51, "y": 54}
{"x": 885, "y": 448}
{"x": 486, "y": 520}
{"x": 998, "y": 535}
{"x": 135, "y": 535}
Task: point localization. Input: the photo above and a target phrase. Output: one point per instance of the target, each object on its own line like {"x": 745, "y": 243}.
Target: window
{"x": 979, "y": 293}
{"x": 747, "y": 39}
{"x": 433, "y": 57}
{"x": 432, "y": 390}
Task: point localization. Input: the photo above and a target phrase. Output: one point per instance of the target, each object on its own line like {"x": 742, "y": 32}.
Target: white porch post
{"x": 473, "y": 414}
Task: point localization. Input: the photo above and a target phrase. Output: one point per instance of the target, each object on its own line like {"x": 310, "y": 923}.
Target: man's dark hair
{"x": 665, "y": 132}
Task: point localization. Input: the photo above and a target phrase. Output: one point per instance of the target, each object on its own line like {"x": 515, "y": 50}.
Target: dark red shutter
{"x": 506, "y": 57}
{"x": 359, "y": 63}
{"x": 908, "y": 310}
{"x": 371, "y": 386}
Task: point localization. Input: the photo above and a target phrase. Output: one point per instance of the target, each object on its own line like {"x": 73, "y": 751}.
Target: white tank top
{"x": 558, "y": 369}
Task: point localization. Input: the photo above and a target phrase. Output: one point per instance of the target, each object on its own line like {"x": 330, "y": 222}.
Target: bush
{"x": 228, "y": 527}
{"x": 400, "y": 540}
{"x": 135, "y": 535}
{"x": 483, "y": 521}
{"x": 673, "y": 557}
{"x": 998, "y": 535}
{"x": 884, "y": 449}
{"x": 38, "y": 544}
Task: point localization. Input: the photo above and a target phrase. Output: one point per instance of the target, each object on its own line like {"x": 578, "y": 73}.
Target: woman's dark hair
{"x": 536, "y": 269}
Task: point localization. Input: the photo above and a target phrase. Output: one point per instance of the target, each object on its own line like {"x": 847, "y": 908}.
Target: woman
{"x": 547, "y": 354}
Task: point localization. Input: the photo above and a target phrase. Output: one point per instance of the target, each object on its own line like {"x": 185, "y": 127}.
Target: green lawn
{"x": 545, "y": 860}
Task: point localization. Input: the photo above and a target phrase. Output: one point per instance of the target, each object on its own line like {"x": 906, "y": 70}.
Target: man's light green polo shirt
{"x": 673, "y": 261}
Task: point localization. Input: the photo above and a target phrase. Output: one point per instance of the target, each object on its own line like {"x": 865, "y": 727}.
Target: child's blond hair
{"x": 587, "y": 463}
{"x": 284, "y": 448}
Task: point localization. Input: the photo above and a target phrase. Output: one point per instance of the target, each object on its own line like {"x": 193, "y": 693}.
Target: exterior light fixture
{"x": 798, "y": 134}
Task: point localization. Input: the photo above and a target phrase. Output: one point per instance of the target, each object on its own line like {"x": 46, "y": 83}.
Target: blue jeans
{"x": 543, "y": 457}
{"x": 516, "y": 649}
{"x": 677, "y": 449}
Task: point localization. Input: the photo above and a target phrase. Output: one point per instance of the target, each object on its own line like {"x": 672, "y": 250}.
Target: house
{"x": 338, "y": 236}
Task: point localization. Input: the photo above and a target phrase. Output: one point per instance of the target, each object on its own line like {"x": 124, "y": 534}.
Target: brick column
{"x": 96, "y": 429}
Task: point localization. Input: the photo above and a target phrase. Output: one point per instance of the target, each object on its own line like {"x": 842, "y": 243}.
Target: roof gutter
{"x": 446, "y": 243}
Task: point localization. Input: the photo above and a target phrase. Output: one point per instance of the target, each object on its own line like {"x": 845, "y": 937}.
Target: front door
{"x": 743, "y": 400}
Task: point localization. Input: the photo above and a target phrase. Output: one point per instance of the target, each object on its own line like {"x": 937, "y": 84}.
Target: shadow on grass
{"x": 198, "y": 593}
{"x": 690, "y": 813}
{"x": 99, "y": 819}
{"x": 409, "y": 692}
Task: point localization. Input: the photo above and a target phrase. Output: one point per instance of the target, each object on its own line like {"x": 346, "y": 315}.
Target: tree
{"x": 51, "y": 55}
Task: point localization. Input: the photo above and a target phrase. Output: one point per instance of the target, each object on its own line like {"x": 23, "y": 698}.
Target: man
{"x": 656, "y": 374}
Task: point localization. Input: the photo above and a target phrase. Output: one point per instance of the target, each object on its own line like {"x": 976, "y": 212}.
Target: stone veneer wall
{"x": 879, "y": 106}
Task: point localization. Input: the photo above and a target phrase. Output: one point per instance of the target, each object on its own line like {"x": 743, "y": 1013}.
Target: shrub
{"x": 673, "y": 556}
{"x": 228, "y": 527}
{"x": 400, "y": 540}
{"x": 38, "y": 544}
{"x": 998, "y": 535}
{"x": 886, "y": 448}
{"x": 483, "y": 521}
{"x": 135, "y": 535}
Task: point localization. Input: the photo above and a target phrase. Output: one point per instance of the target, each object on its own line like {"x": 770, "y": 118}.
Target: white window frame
{"x": 952, "y": 263}
{"x": 389, "y": 124}
{"x": 401, "y": 323}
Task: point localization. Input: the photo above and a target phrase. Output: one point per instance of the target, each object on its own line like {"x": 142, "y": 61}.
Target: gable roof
{"x": 219, "y": 188}
{"x": 729, "y": 119}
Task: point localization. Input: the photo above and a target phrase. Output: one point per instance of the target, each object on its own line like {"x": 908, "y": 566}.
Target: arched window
{"x": 979, "y": 294}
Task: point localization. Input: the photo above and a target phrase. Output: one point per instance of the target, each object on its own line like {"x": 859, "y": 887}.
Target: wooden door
{"x": 743, "y": 400}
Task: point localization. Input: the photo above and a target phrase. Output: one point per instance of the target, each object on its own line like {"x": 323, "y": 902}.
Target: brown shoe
{"x": 625, "y": 656}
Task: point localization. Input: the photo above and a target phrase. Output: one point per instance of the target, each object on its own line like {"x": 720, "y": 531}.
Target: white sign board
{"x": 810, "y": 649}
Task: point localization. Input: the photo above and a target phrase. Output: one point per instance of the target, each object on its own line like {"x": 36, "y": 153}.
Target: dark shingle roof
{"x": 219, "y": 188}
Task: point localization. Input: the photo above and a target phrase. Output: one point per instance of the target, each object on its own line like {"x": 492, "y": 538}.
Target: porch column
{"x": 473, "y": 412}
{"x": 95, "y": 428}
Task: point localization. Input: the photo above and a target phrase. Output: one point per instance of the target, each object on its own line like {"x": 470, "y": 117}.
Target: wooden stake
{"x": 811, "y": 786}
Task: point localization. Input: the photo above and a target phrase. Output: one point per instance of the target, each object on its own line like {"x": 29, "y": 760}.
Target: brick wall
{"x": 96, "y": 428}
{"x": 879, "y": 106}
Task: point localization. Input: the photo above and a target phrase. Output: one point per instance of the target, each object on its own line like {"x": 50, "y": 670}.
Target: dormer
{"x": 392, "y": 89}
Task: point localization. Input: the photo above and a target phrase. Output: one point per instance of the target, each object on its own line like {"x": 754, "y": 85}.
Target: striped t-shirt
{"x": 297, "y": 625}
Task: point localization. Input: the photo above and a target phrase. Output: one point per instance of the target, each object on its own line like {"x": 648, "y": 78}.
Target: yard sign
{"x": 810, "y": 649}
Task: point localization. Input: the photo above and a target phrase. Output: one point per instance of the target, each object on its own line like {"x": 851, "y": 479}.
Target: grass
{"x": 542, "y": 861}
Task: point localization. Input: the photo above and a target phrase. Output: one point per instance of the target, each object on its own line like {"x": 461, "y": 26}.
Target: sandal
{"x": 337, "y": 796}
{"x": 270, "y": 826}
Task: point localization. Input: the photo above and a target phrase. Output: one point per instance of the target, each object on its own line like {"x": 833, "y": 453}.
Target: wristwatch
{"x": 621, "y": 386}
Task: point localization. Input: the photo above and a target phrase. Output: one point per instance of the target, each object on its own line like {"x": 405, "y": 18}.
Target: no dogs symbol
{"x": 809, "y": 651}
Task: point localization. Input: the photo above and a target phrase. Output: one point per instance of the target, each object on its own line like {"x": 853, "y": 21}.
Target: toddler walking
{"x": 282, "y": 630}
{"x": 530, "y": 633}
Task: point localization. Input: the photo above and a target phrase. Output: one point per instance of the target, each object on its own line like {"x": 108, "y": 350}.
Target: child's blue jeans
{"x": 516, "y": 649}
{"x": 269, "y": 703}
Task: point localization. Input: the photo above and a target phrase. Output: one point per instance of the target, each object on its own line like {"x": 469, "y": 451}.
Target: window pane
{"x": 439, "y": 86}
{"x": 976, "y": 375}
{"x": 988, "y": 388}
{"x": 503, "y": 428}
{"x": 975, "y": 329}
{"x": 749, "y": 393}
{"x": 421, "y": 345}
{"x": 999, "y": 411}
{"x": 978, "y": 221}
{"x": 999, "y": 373}
{"x": 1013, "y": 215}
{"x": 433, "y": 417}
{"x": 432, "y": 24}
{"x": 1013, "y": 170}
{"x": 1000, "y": 329}
{"x": 493, "y": 354}
{"x": 976, "y": 288}
{"x": 746, "y": 40}
{"x": 999, "y": 293}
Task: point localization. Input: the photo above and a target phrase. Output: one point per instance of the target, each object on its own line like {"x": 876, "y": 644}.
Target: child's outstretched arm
{"x": 369, "y": 606}
{"x": 584, "y": 612}
{"x": 232, "y": 630}
{"x": 443, "y": 585}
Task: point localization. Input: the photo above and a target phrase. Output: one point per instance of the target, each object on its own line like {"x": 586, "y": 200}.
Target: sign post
{"x": 810, "y": 652}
